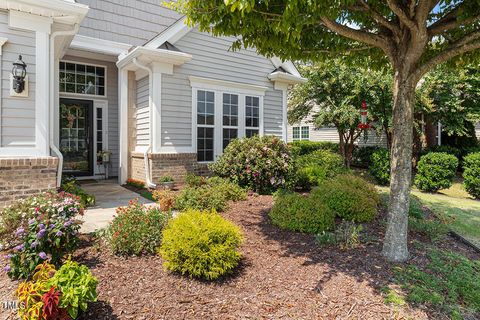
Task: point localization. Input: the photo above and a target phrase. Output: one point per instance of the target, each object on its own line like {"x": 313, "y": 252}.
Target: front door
{"x": 76, "y": 136}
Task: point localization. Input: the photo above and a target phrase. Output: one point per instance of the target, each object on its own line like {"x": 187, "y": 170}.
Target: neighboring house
{"x": 306, "y": 130}
{"x": 130, "y": 78}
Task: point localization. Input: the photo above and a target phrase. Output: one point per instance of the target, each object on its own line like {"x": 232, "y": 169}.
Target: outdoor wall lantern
{"x": 19, "y": 72}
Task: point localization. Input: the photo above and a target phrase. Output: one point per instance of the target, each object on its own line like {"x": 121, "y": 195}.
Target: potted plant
{"x": 166, "y": 183}
{"x": 104, "y": 156}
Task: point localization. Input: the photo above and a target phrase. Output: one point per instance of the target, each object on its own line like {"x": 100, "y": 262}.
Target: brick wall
{"x": 22, "y": 177}
{"x": 176, "y": 165}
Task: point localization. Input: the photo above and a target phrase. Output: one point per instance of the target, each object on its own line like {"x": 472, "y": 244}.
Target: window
{"x": 252, "y": 116}
{"x": 82, "y": 79}
{"x": 230, "y": 118}
{"x": 99, "y": 133}
{"x": 301, "y": 133}
{"x": 205, "y": 123}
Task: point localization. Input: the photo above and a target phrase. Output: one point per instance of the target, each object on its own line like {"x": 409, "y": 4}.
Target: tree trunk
{"x": 395, "y": 246}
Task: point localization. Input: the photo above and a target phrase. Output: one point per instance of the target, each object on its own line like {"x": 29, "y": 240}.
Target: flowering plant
{"x": 50, "y": 233}
{"x": 262, "y": 164}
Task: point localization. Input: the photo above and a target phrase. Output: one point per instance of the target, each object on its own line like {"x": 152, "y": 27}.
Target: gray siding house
{"x": 124, "y": 89}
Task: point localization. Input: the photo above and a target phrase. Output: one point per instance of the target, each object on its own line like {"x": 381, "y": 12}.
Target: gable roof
{"x": 285, "y": 71}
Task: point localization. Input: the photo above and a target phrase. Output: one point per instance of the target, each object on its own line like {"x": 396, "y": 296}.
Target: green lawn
{"x": 456, "y": 203}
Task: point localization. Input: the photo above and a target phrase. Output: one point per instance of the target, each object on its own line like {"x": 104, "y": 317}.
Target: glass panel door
{"x": 76, "y": 136}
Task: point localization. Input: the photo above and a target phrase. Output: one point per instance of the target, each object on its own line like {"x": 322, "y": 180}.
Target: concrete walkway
{"x": 109, "y": 195}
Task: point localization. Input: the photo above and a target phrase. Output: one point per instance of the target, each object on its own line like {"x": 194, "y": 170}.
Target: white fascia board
{"x": 90, "y": 44}
{"x": 67, "y": 11}
{"x": 287, "y": 78}
{"x": 148, "y": 55}
{"x": 220, "y": 85}
{"x": 2, "y": 42}
{"x": 172, "y": 34}
{"x": 287, "y": 65}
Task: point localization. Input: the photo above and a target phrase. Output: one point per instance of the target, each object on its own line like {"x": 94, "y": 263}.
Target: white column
{"x": 42, "y": 91}
{"x": 123, "y": 124}
{"x": 156, "y": 120}
{"x": 2, "y": 42}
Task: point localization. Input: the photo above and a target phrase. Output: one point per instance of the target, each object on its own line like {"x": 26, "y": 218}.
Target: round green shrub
{"x": 262, "y": 164}
{"x": 362, "y": 155}
{"x": 293, "y": 211}
{"x": 471, "y": 174}
{"x": 315, "y": 167}
{"x": 380, "y": 166}
{"x": 349, "y": 197}
{"x": 436, "y": 171}
{"x": 201, "y": 245}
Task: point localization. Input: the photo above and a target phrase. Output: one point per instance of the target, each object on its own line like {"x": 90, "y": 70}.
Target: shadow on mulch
{"x": 364, "y": 263}
{"x": 99, "y": 310}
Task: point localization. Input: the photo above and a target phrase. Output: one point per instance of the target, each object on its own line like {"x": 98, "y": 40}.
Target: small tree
{"x": 333, "y": 95}
{"x": 412, "y": 36}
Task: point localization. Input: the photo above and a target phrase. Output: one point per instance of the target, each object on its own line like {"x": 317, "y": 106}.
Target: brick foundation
{"x": 176, "y": 165}
{"x": 22, "y": 177}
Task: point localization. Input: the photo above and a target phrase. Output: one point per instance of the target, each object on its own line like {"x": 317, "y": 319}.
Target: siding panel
{"x": 142, "y": 112}
{"x": 17, "y": 115}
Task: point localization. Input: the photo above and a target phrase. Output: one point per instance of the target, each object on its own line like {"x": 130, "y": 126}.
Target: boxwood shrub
{"x": 315, "y": 167}
{"x": 201, "y": 244}
{"x": 349, "y": 197}
{"x": 303, "y": 147}
{"x": 436, "y": 171}
{"x": 380, "y": 166}
{"x": 471, "y": 174}
{"x": 296, "y": 212}
{"x": 262, "y": 164}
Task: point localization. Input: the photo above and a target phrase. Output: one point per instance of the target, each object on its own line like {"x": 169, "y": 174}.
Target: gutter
{"x": 53, "y": 96}
{"x": 148, "y": 178}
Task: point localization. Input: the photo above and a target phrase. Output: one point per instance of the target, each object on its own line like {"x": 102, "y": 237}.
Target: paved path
{"x": 109, "y": 195}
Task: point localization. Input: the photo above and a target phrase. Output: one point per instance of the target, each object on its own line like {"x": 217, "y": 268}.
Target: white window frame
{"x": 301, "y": 137}
{"x": 100, "y": 104}
{"x": 213, "y": 126}
{"x": 237, "y": 127}
{"x": 220, "y": 87}
{"x": 84, "y": 95}
{"x": 260, "y": 115}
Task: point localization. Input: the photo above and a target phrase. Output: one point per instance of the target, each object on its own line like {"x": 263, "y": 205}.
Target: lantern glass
{"x": 19, "y": 68}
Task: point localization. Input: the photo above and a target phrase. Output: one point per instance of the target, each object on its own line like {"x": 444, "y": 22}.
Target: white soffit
{"x": 89, "y": 44}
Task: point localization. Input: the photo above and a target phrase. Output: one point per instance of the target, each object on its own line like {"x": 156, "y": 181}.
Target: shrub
{"x": 70, "y": 185}
{"x": 262, "y": 164}
{"x": 350, "y": 197}
{"x": 444, "y": 149}
{"x": 165, "y": 179}
{"x": 362, "y": 155}
{"x": 317, "y": 166}
{"x": 201, "y": 244}
{"x": 380, "y": 166}
{"x": 436, "y": 171}
{"x": 304, "y": 147}
{"x": 136, "y": 183}
{"x": 471, "y": 174}
{"x": 213, "y": 195}
{"x": 165, "y": 198}
{"x": 57, "y": 294}
{"x": 193, "y": 180}
{"x": 296, "y": 212}
{"x": 50, "y": 233}
{"x": 137, "y": 229}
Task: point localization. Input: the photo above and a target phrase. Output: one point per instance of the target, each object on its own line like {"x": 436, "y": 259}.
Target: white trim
{"x": 42, "y": 91}
{"x": 100, "y": 104}
{"x": 2, "y": 42}
{"x": 31, "y": 22}
{"x": 285, "y": 114}
{"x": 148, "y": 55}
{"x": 282, "y": 77}
{"x": 85, "y": 95}
{"x": 287, "y": 65}
{"x": 63, "y": 11}
{"x": 172, "y": 34}
{"x": 90, "y": 44}
{"x": 227, "y": 86}
{"x": 123, "y": 124}
{"x": 20, "y": 152}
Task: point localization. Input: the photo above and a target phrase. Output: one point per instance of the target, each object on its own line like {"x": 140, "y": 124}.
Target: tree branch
{"x": 449, "y": 22}
{"x": 401, "y": 14}
{"x": 423, "y": 9}
{"x": 466, "y": 44}
{"x": 357, "y": 35}
{"x": 380, "y": 18}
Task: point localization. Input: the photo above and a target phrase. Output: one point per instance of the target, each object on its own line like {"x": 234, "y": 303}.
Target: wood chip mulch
{"x": 283, "y": 275}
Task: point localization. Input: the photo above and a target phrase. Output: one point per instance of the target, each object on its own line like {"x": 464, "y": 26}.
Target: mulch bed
{"x": 284, "y": 275}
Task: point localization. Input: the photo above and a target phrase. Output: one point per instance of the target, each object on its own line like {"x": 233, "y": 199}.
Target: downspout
{"x": 148, "y": 178}
{"x": 53, "y": 96}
